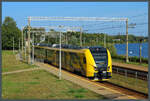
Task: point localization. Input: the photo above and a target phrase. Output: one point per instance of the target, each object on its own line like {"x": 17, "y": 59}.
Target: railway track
{"x": 119, "y": 88}
{"x": 143, "y": 75}
{"x": 115, "y": 87}
{"x": 126, "y": 90}
{"x": 122, "y": 89}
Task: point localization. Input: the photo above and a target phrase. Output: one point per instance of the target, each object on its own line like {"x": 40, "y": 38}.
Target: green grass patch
{"x": 40, "y": 84}
{"x": 10, "y": 62}
{"x": 132, "y": 83}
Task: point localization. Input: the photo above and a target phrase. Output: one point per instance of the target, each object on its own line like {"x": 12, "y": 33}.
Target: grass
{"x": 37, "y": 84}
{"x": 40, "y": 84}
{"x": 10, "y": 62}
{"x": 132, "y": 83}
{"x": 134, "y": 63}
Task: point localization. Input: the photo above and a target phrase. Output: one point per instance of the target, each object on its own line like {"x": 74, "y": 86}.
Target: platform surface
{"x": 130, "y": 66}
{"x": 91, "y": 85}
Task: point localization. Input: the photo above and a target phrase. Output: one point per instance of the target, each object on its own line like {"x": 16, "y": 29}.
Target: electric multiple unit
{"x": 92, "y": 62}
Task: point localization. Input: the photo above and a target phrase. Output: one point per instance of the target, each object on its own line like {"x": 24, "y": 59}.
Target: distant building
{"x": 116, "y": 39}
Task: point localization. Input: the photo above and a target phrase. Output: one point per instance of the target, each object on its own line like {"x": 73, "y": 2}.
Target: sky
{"x": 137, "y": 12}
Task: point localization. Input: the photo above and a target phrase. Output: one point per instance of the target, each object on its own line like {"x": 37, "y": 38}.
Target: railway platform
{"x": 130, "y": 66}
{"x": 98, "y": 88}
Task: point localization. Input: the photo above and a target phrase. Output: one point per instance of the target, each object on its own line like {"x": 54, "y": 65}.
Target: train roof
{"x": 70, "y": 46}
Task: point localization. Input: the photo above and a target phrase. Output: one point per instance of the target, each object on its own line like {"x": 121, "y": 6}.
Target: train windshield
{"x": 99, "y": 55}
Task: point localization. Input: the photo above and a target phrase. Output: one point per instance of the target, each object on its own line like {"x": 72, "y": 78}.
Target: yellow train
{"x": 92, "y": 62}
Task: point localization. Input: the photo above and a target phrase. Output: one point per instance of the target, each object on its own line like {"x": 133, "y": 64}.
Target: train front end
{"x": 103, "y": 63}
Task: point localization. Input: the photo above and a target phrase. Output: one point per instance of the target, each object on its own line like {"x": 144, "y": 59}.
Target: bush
{"x": 112, "y": 49}
{"x": 131, "y": 59}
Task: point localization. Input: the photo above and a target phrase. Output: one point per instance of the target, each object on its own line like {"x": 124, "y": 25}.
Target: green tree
{"x": 36, "y": 32}
{"x": 10, "y": 31}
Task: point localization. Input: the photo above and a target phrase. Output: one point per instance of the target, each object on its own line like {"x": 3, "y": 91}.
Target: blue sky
{"x": 137, "y": 12}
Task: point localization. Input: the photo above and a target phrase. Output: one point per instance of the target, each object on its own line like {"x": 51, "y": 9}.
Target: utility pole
{"x": 29, "y": 59}
{"x": 33, "y": 48}
{"x": 60, "y": 55}
{"x": 81, "y": 37}
{"x": 25, "y": 46}
{"x": 13, "y": 44}
{"x": 127, "y": 58}
{"x": 22, "y": 39}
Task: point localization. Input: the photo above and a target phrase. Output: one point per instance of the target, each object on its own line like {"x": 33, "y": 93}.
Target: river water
{"x": 133, "y": 49}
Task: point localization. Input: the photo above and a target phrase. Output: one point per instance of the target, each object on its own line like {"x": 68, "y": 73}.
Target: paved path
{"x": 98, "y": 88}
{"x": 23, "y": 70}
{"x": 130, "y": 66}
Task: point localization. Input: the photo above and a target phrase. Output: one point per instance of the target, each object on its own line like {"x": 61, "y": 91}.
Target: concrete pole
{"x": 127, "y": 58}
{"x": 29, "y": 58}
{"x": 81, "y": 37}
{"x": 22, "y": 39}
{"x": 60, "y": 56}
{"x": 33, "y": 49}
{"x": 25, "y": 46}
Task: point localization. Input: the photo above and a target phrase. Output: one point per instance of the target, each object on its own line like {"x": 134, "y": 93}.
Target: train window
{"x": 84, "y": 60}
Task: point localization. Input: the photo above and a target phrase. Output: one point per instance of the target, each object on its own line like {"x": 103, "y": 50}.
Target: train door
{"x": 57, "y": 58}
{"x": 63, "y": 59}
{"x": 67, "y": 60}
